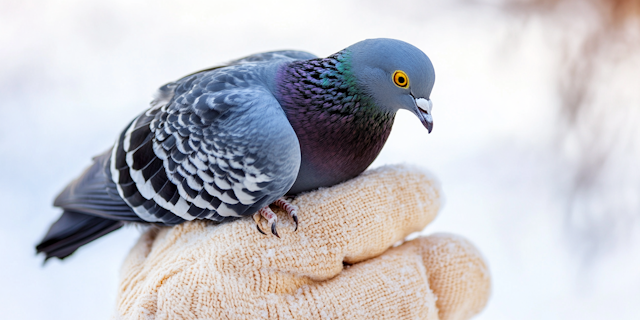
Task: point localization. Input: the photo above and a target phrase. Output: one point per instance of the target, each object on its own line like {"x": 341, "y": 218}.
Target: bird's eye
{"x": 400, "y": 79}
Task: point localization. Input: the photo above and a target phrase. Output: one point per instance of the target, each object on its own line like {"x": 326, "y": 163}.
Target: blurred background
{"x": 536, "y": 140}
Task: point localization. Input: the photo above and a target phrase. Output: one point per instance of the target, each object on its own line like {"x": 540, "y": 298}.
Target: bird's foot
{"x": 289, "y": 208}
{"x": 272, "y": 218}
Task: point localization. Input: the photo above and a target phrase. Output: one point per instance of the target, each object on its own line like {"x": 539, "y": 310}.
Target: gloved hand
{"x": 339, "y": 264}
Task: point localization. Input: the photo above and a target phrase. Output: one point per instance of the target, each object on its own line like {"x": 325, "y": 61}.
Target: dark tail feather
{"x": 72, "y": 231}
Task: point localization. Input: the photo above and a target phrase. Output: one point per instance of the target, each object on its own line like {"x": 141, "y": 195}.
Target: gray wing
{"x": 220, "y": 148}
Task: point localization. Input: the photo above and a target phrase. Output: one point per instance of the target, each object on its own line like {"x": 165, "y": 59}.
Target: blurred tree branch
{"x": 598, "y": 134}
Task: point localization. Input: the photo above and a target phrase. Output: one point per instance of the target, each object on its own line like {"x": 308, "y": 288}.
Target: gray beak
{"x": 424, "y": 112}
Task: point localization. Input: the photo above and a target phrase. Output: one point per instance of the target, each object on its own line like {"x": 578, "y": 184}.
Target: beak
{"x": 423, "y": 112}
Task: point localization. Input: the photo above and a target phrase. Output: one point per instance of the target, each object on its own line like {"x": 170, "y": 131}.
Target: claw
{"x": 258, "y": 227}
{"x": 256, "y": 219}
{"x": 273, "y": 230}
{"x": 295, "y": 219}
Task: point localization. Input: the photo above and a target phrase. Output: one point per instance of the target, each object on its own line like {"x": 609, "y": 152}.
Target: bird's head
{"x": 396, "y": 75}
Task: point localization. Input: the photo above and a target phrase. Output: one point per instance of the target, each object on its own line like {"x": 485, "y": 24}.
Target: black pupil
{"x": 401, "y": 79}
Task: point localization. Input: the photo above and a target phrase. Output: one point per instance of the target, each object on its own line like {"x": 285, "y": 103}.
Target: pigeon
{"x": 229, "y": 141}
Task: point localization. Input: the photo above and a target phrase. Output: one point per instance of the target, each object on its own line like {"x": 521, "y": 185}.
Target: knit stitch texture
{"x": 340, "y": 264}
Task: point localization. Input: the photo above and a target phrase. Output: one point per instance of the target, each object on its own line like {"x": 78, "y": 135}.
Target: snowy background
{"x": 73, "y": 73}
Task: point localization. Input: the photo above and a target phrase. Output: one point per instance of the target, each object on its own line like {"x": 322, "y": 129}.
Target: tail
{"x": 72, "y": 231}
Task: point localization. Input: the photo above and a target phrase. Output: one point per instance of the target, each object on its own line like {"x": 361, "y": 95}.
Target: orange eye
{"x": 400, "y": 79}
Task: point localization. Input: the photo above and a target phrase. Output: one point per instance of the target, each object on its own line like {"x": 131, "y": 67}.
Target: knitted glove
{"x": 339, "y": 264}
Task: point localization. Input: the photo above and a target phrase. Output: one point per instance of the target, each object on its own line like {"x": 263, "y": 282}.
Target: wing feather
{"x": 208, "y": 154}
{"x": 214, "y": 144}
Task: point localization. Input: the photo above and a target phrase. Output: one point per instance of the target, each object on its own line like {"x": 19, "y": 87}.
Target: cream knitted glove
{"x": 338, "y": 265}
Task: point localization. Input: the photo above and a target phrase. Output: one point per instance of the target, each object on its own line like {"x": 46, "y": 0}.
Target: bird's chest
{"x": 336, "y": 147}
